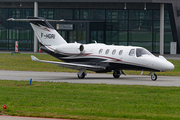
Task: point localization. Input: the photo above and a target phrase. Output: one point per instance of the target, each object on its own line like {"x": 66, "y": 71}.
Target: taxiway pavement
{"x": 4, "y": 117}
{"x": 91, "y": 78}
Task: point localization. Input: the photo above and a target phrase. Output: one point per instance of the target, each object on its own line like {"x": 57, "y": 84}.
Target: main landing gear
{"x": 82, "y": 73}
{"x": 82, "y": 76}
{"x": 117, "y": 74}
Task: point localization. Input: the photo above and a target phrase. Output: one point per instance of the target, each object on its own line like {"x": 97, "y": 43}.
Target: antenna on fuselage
{"x": 94, "y": 41}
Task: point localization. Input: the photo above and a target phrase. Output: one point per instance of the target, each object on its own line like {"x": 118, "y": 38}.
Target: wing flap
{"x": 71, "y": 65}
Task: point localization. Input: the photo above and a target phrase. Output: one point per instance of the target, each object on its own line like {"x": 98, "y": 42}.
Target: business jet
{"x": 97, "y": 57}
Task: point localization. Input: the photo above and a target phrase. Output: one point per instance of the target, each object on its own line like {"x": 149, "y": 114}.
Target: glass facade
{"x": 15, "y": 31}
{"x": 118, "y": 27}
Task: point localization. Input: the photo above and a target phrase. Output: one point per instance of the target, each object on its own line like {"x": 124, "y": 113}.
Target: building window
{"x": 116, "y": 15}
{"x": 140, "y": 28}
{"x": 140, "y": 14}
{"x": 66, "y": 14}
{"x": 92, "y": 14}
{"x": 81, "y": 37}
{"x": 46, "y": 13}
{"x": 97, "y": 32}
{"x": 76, "y": 14}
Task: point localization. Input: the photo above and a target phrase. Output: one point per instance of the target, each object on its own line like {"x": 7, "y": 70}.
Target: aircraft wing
{"x": 71, "y": 65}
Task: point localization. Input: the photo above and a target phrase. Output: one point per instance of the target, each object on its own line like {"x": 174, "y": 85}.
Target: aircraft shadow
{"x": 142, "y": 78}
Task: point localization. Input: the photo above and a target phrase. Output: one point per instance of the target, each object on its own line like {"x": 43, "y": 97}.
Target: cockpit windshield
{"x": 141, "y": 51}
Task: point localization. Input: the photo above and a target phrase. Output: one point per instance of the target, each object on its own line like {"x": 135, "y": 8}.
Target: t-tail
{"x": 45, "y": 33}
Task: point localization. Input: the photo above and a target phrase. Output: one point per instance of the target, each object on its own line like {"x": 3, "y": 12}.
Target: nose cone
{"x": 168, "y": 66}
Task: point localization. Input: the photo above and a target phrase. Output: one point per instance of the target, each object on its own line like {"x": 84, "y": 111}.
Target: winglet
{"x": 33, "y": 58}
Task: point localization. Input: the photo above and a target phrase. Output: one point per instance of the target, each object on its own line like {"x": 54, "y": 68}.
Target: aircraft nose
{"x": 168, "y": 66}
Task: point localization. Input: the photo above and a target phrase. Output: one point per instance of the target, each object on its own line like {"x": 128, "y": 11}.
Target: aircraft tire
{"x": 81, "y": 76}
{"x": 154, "y": 77}
{"x": 116, "y": 74}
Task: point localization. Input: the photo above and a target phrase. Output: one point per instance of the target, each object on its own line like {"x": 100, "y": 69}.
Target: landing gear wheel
{"x": 153, "y": 77}
{"x": 116, "y": 74}
{"x": 82, "y": 76}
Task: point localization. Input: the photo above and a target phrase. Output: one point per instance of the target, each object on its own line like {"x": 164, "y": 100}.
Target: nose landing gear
{"x": 153, "y": 77}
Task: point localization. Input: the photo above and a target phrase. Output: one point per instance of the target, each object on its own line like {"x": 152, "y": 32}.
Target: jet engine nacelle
{"x": 72, "y": 48}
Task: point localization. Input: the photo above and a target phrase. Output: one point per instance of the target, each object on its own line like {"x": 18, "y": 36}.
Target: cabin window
{"x": 132, "y": 52}
{"x": 120, "y": 52}
{"x": 107, "y": 51}
{"x": 100, "y": 51}
{"x": 113, "y": 52}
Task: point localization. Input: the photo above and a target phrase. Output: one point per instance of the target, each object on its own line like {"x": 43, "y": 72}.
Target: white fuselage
{"x": 117, "y": 56}
{"x": 147, "y": 61}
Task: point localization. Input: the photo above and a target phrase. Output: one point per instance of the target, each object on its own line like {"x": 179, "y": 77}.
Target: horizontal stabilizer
{"x": 12, "y": 19}
{"x": 50, "y": 20}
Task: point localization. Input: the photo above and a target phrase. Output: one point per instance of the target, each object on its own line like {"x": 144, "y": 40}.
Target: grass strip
{"x": 22, "y": 62}
{"x": 89, "y": 101}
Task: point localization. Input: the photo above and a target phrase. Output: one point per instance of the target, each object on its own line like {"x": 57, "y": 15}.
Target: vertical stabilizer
{"x": 45, "y": 33}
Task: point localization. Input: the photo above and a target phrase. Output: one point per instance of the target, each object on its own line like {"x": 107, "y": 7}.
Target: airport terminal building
{"x": 153, "y": 24}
